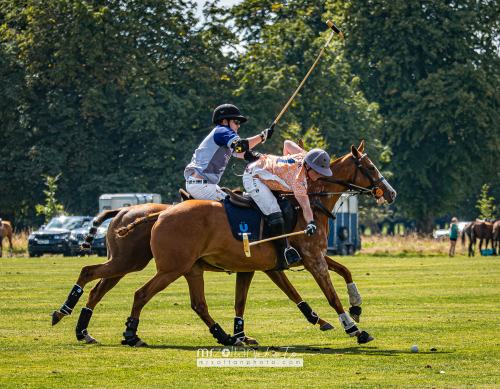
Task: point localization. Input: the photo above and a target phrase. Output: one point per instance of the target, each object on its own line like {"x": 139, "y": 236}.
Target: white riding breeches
{"x": 205, "y": 191}
{"x": 260, "y": 193}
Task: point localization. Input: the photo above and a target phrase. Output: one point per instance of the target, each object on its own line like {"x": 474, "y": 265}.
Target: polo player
{"x": 288, "y": 174}
{"x": 211, "y": 157}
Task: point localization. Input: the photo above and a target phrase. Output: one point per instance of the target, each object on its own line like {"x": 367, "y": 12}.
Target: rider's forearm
{"x": 306, "y": 208}
{"x": 254, "y": 141}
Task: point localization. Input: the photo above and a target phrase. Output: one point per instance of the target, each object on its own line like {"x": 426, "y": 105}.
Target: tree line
{"x": 116, "y": 95}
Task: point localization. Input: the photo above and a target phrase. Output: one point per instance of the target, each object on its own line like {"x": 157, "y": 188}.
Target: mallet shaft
{"x": 335, "y": 31}
{"x": 278, "y": 237}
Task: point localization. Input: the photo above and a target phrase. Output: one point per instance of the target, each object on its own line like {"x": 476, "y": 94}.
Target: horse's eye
{"x": 371, "y": 167}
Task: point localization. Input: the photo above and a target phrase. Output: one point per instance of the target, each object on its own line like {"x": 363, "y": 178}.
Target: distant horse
{"x": 5, "y": 231}
{"x": 467, "y": 231}
{"x": 482, "y": 231}
{"x": 496, "y": 236}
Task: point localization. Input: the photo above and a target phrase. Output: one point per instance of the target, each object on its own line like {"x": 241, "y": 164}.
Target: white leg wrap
{"x": 354, "y": 296}
{"x": 349, "y": 326}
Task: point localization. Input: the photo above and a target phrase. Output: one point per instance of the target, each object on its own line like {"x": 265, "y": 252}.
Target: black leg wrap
{"x": 83, "y": 323}
{"x": 130, "y": 334}
{"x": 72, "y": 299}
{"x": 239, "y": 331}
{"x": 355, "y": 311}
{"x": 222, "y": 338}
{"x": 352, "y": 330}
{"x": 311, "y": 316}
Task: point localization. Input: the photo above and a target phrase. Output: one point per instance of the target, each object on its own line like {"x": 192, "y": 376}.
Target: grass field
{"x": 451, "y": 304}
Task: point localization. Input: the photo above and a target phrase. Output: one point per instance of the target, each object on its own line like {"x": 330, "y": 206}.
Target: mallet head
{"x": 335, "y": 29}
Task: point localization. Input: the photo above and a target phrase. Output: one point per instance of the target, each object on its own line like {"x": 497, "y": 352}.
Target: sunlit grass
{"x": 447, "y": 303}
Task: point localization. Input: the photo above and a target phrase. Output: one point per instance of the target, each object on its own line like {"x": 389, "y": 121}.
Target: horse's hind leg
{"x": 282, "y": 281}
{"x": 109, "y": 269}
{"x": 95, "y": 296}
{"x": 352, "y": 290}
{"x": 142, "y": 296}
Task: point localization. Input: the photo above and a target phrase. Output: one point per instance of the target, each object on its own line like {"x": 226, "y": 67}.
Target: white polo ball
{"x": 414, "y": 349}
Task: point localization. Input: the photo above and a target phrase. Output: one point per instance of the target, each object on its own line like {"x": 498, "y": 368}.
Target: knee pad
{"x": 349, "y": 327}
{"x": 311, "y": 316}
{"x": 72, "y": 299}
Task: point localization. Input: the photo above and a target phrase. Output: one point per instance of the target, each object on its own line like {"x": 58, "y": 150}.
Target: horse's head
{"x": 368, "y": 176}
{"x": 355, "y": 171}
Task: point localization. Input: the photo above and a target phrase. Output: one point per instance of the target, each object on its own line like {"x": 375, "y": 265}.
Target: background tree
{"x": 51, "y": 208}
{"x": 432, "y": 67}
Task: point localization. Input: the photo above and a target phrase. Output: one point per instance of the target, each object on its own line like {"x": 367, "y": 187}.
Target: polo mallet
{"x": 246, "y": 244}
{"x": 335, "y": 31}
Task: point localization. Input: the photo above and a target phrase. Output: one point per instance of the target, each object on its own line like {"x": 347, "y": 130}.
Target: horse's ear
{"x": 300, "y": 143}
{"x": 355, "y": 152}
{"x": 361, "y": 147}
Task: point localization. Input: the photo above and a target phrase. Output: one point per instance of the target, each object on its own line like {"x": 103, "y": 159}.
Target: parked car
{"x": 77, "y": 237}
{"x": 438, "y": 234}
{"x": 52, "y": 238}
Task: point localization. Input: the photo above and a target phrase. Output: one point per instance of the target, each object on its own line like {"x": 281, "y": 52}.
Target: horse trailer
{"x": 119, "y": 200}
{"x": 343, "y": 235}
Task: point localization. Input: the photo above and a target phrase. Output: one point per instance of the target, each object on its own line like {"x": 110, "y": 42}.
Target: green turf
{"x": 450, "y": 304}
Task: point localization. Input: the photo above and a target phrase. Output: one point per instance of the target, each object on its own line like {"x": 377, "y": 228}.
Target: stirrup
{"x": 291, "y": 256}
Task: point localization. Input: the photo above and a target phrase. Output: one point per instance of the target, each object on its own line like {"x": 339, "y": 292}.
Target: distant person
{"x": 453, "y": 235}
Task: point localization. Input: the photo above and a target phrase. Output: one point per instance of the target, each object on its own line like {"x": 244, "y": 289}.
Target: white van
{"x": 119, "y": 200}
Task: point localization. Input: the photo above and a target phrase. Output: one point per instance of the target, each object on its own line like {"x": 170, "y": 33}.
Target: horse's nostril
{"x": 393, "y": 194}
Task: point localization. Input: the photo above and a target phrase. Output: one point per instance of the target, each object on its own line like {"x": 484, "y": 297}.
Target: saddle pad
{"x": 245, "y": 220}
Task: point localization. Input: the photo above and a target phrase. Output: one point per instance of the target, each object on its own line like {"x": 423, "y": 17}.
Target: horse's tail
{"x": 146, "y": 219}
{"x": 100, "y": 218}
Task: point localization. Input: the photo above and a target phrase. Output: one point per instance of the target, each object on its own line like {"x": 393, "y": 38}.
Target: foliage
{"x": 113, "y": 95}
{"x": 51, "y": 208}
{"x": 433, "y": 69}
{"x": 485, "y": 204}
{"x": 281, "y": 44}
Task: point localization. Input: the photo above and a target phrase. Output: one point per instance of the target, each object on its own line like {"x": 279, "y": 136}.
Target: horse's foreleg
{"x": 142, "y": 296}
{"x": 10, "y": 243}
{"x": 352, "y": 290}
{"x": 95, "y": 296}
{"x": 319, "y": 269}
{"x": 196, "y": 284}
{"x": 282, "y": 281}
{"x": 243, "y": 281}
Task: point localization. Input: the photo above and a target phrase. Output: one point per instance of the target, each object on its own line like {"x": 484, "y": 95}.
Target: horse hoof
{"x": 56, "y": 317}
{"x": 364, "y": 337}
{"x": 252, "y": 341}
{"x": 90, "y": 340}
{"x": 141, "y": 343}
{"x": 326, "y": 327}
{"x": 238, "y": 343}
{"x": 355, "y": 312}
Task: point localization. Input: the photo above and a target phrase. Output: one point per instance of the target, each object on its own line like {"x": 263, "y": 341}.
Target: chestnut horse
{"x": 468, "y": 232}
{"x": 5, "y": 231}
{"x": 196, "y": 230}
{"x": 131, "y": 254}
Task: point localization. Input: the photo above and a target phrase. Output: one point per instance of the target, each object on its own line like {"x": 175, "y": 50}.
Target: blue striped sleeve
{"x": 224, "y": 136}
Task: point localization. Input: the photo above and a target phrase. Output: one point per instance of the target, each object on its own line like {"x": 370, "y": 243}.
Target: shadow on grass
{"x": 302, "y": 349}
